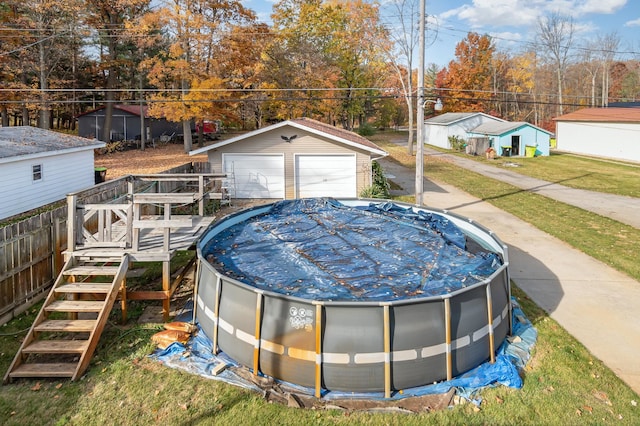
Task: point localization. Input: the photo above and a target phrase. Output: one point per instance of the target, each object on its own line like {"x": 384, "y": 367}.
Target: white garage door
{"x": 255, "y": 175}
{"x": 326, "y": 176}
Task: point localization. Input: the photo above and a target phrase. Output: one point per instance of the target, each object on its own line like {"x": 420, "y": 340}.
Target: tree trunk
{"x": 111, "y": 84}
{"x": 560, "y": 107}
{"x": 186, "y": 130}
{"x": 44, "y": 105}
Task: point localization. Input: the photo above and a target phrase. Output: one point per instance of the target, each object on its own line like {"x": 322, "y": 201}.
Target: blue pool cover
{"x": 321, "y": 249}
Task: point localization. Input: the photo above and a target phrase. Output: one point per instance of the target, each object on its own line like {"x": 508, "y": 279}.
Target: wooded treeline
{"x": 343, "y": 62}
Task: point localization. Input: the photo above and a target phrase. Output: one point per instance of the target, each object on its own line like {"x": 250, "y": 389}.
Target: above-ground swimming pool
{"x": 353, "y": 295}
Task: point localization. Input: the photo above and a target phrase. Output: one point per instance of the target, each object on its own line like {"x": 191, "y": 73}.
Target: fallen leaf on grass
{"x": 587, "y": 408}
{"x": 59, "y": 385}
{"x": 36, "y": 387}
{"x": 602, "y": 397}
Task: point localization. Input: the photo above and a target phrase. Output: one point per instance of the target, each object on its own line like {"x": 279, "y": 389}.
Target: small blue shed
{"x": 514, "y": 138}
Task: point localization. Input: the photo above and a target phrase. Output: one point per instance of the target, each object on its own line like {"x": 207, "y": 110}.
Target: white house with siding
{"x": 38, "y": 167}
{"x": 439, "y": 128}
{"x": 297, "y": 158}
{"x": 601, "y": 132}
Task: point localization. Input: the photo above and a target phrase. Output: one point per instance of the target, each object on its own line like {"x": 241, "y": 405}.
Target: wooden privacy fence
{"x": 31, "y": 249}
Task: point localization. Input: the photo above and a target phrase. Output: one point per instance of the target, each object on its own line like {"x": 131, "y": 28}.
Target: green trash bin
{"x": 530, "y": 151}
{"x": 100, "y": 174}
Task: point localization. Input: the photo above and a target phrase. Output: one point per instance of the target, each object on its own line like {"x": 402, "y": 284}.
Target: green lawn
{"x": 613, "y": 177}
{"x": 563, "y": 383}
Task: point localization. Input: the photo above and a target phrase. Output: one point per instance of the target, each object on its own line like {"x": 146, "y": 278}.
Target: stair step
{"x": 75, "y": 306}
{"x": 92, "y": 270}
{"x": 69, "y": 326}
{"x": 84, "y": 288}
{"x": 44, "y": 370}
{"x": 57, "y": 347}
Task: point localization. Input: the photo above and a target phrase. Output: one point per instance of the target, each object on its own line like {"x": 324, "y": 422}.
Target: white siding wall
{"x": 610, "y": 140}
{"x": 437, "y": 136}
{"x": 61, "y": 174}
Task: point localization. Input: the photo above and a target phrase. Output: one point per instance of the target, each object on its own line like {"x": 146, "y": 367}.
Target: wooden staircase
{"x": 66, "y": 331}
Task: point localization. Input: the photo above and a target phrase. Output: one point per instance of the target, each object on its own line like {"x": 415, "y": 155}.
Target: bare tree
{"x": 404, "y": 35}
{"x": 608, "y": 46}
{"x": 555, "y": 33}
{"x": 591, "y": 64}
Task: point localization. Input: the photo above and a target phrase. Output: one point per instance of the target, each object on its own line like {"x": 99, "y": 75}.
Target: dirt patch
{"x": 151, "y": 160}
{"x": 281, "y": 393}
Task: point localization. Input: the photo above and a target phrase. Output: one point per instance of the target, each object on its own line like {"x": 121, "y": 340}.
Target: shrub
{"x": 457, "y": 143}
{"x": 366, "y": 129}
{"x": 380, "y": 186}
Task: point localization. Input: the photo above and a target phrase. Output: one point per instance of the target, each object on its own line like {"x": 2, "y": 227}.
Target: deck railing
{"x": 118, "y": 224}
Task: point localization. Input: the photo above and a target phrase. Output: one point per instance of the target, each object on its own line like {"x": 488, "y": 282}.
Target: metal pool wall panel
{"x": 352, "y": 345}
{"x": 500, "y": 304}
{"x": 418, "y": 344}
{"x": 287, "y": 345}
{"x": 237, "y": 322}
{"x": 469, "y": 334}
{"x": 206, "y": 299}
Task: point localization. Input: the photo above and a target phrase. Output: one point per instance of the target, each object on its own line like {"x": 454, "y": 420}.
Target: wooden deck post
{"x": 123, "y": 299}
{"x": 71, "y": 222}
{"x": 201, "y": 195}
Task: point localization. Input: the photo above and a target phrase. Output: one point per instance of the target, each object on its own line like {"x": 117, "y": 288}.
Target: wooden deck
{"x": 142, "y": 226}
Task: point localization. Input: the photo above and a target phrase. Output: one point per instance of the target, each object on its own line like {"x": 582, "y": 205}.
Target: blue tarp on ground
{"x": 321, "y": 249}
{"x": 196, "y": 357}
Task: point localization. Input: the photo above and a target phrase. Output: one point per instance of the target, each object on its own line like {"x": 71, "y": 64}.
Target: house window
{"x": 37, "y": 172}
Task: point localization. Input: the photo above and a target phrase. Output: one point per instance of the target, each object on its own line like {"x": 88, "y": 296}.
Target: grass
{"x": 563, "y": 383}
{"x": 612, "y": 177}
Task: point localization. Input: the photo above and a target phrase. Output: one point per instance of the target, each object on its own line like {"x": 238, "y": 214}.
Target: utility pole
{"x": 420, "y": 109}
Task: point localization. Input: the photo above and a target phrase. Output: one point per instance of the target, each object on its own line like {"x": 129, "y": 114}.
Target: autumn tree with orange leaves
{"x": 189, "y": 83}
{"x": 469, "y": 78}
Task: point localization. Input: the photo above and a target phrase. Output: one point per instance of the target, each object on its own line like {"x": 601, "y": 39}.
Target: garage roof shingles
{"x": 615, "y": 115}
{"x": 336, "y": 131}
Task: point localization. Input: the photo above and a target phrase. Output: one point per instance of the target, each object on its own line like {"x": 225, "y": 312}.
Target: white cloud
{"x": 509, "y": 13}
{"x": 634, "y": 23}
{"x": 599, "y": 6}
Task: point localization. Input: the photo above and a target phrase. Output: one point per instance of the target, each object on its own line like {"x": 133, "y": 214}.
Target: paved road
{"x": 595, "y": 303}
{"x": 621, "y": 208}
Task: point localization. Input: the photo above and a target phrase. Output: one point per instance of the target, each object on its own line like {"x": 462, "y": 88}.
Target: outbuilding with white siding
{"x": 297, "y": 158}
{"x": 39, "y": 167}
{"x": 439, "y": 128}
{"x": 601, "y": 132}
